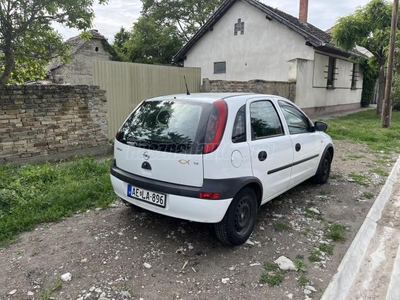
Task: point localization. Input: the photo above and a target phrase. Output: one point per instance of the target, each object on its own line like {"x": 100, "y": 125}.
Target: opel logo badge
{"x": 146, "y": 156}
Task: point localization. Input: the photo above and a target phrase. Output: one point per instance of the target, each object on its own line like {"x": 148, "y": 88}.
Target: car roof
{"x": 207, "y": 97}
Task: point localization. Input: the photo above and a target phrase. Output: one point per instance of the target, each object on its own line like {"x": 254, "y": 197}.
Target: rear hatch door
{"x": 162, "y": 140}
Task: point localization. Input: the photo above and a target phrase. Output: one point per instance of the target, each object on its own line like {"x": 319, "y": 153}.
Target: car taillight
{"x": 215, "y": 126}
{"x": 212, "y": 196}
{"x": 117, "y": 135}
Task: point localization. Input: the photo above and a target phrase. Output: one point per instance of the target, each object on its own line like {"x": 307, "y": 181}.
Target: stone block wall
{"x": 284, "y": 89}
{"x": 80, "y": 69}
{"x": 52, "y": 122}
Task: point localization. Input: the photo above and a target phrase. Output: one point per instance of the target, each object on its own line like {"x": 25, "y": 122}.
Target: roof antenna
{"x": 187, "y": 89}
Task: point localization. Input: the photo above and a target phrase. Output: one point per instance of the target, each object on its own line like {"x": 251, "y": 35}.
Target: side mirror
{"x": 320, "y": 126}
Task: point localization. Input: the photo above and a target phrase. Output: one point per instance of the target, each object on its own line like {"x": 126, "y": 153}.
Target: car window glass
{"x": 264, "y": 120}
{"x": 296, "y": 120}
{"x": 239, "y": 126}
{"x": 170, "y": 126}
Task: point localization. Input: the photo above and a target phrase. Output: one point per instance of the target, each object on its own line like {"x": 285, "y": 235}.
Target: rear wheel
{"x": 324, "y": 169}
{"x": 239, "y": 220}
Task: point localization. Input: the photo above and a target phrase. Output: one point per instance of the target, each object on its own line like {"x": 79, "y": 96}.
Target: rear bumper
{"x": 177, "y": 206}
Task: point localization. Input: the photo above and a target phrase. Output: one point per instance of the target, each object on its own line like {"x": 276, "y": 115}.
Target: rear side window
{"x": 171, "y": 126}
{"x": 239, "y": 126}
{"x": 264, "y": 120}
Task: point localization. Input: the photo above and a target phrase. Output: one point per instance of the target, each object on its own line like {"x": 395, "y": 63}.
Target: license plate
{"x": 147, "y": 196}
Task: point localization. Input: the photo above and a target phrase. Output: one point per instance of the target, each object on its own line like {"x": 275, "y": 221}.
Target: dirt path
{"x": 118, "y": 254}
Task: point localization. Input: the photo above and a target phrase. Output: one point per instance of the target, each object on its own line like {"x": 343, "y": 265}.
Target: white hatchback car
{"x": 216, "y": 158}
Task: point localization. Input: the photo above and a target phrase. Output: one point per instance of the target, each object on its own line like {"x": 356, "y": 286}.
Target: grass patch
{"x": 355, "y": 156}
{"x": 313, "y": 215}
{"x": 303, "y": 281}
{"x": 34, "y": 194}
{"x": 360, "y": 179}
{"x": 328, "y": 249}
{"x": 335, "y": 176}
{"x": 365, "y": 127}
{"x": 380, "y": 161}
{"x": 46, "y": 295}
{"x": 270, "y": 266}
{"x": 300, "y": 265}
{"x": 380, "y": 172}
{"x": 336, "y": 232}
{"x": 368, "y": 195}
{"x": 272, "y": 279}
{"x": 324, "y": 192}
{"x": 282, "y": 227}
{"x": 308, "y": 232}
{"x": 315, "y": 256}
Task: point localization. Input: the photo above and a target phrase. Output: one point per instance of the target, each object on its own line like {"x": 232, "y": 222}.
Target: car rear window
{"x": 171, "y": 126}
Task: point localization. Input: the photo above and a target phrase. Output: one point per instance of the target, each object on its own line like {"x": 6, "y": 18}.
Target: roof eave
{"x": 328, "y": 48}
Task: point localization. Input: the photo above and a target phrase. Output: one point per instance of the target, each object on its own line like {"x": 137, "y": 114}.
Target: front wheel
{"x": 239, "y": 220}
{"x": 324, "y": 169}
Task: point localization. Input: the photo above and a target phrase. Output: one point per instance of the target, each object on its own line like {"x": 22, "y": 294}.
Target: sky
{"x": 123, "y": 13}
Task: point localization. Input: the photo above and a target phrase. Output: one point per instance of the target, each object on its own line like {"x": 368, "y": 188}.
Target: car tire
{"x": 324, "y": 169}
{"x": 239, "y": 220}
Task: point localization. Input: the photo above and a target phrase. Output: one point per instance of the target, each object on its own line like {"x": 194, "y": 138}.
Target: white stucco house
{"x": 247, "y": 40}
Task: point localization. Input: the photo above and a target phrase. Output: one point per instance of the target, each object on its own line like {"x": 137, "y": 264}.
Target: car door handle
{"x": 298, "y": 147}
{"x": 262, "y": 156}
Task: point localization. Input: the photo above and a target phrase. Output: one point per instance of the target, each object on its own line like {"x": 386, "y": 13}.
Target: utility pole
{"x": 387, "y": 103}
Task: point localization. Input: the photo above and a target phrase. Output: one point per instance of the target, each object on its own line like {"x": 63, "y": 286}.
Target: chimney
{"x": 303, "y": 11}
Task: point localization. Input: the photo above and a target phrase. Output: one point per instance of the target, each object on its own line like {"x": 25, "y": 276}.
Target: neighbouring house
{"x": 249, "y": 46}
{"x": 79, "y": 70}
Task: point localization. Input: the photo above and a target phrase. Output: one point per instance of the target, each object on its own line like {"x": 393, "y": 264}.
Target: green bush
{"x": 370, "y": 75}
{"x": 396, "y": 93}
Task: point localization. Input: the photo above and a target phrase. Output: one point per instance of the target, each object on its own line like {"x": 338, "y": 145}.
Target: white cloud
{"x": 321, "y": 13}
{"x": 109, "y": 18}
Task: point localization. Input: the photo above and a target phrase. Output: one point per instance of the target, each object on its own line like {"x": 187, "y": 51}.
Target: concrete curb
{"x": 342, "y": 281}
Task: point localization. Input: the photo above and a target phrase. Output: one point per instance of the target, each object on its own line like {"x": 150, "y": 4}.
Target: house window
{"x": 96, "y": 49}
{"x": 220, "y": 67}
{"x": 354, "y": 76}
{"x": 331, "y": 72}
{"x": 239, "y": 27}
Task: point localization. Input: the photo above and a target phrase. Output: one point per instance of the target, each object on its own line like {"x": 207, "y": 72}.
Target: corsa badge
{"x": 184, "y": 162}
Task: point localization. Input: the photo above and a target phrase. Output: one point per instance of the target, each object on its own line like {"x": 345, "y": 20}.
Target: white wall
{"x": 311, "y": 83}
{"x": 262, "y": 52}
{"x": 343, "y": 72}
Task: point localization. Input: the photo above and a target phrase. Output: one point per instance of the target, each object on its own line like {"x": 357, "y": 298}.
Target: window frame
{"x": 215, "y": 67}
{"x": 241, "y": 112}
{"x": 354, "y": 76}
{"x": 253, "y": 138}
{"x": 330, "y": 82}
{"x": 282, "y": 103}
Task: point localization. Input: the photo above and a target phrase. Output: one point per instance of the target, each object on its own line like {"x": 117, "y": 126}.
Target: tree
{"x": 186, "y": 15}
{"x": 27, "y": 40}
{"x": 162, "y": 29}
{"x": 369, "y": 27}
{"x": 149, "y": 43}
{"x": 120, "y": 40}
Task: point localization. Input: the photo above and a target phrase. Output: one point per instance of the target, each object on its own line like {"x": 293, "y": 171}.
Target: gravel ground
{"x": 120, "y": 254}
